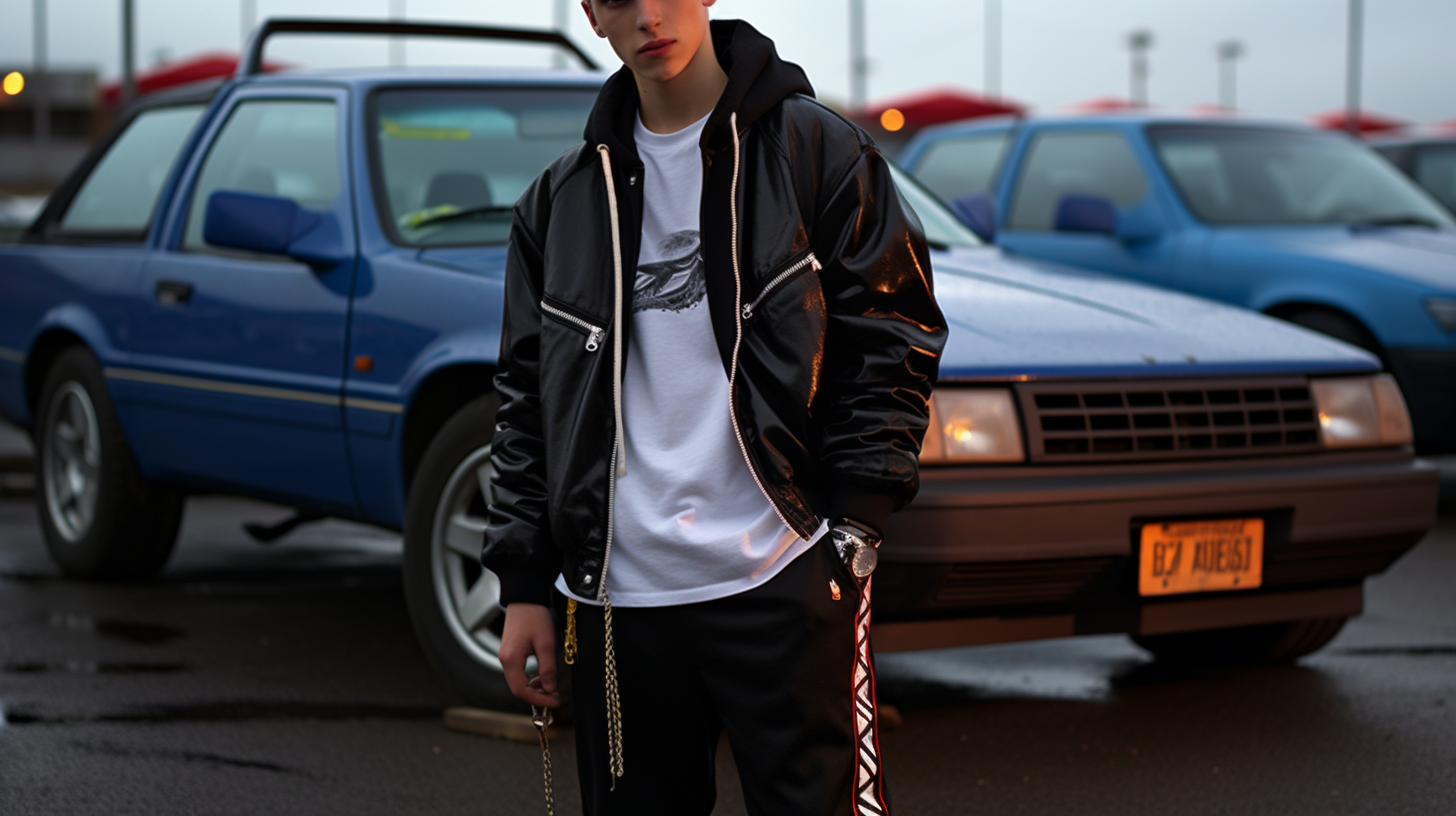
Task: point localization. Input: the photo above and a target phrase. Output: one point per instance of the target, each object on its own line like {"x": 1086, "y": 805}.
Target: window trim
{"x": 174, "y": 231}
{"x": 377, "y": 189}
{"x": 1008, "y": 135}
{"x": 1024, "y": 164}
{"x": 47, "y": 229}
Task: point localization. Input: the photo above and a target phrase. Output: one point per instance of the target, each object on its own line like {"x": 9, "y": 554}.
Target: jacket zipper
{"x": 738, "y": 325}
{"x": 594, "y": 334}
{"x": 780, "y": 279}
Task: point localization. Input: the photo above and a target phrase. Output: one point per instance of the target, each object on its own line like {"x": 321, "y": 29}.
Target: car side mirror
{"x": 1085, "y": 213}
{"x": 977, "y": 211}
{"x": 274, "y": 226}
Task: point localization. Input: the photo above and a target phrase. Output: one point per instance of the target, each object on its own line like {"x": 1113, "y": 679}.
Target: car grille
{"x": 1117, "y": 421}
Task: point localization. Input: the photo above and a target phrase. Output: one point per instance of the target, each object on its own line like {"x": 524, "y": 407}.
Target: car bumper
{"x": 1427, "y": 378}
{"x": 990, "y": 555}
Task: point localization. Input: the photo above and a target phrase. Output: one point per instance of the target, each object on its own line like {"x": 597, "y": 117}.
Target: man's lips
{"x": 655, "y": 48}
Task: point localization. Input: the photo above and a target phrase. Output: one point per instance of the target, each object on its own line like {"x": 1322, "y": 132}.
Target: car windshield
{"x": 451, "y": 162}
{"x": 1233, "y": 175}
{"x": 942, "y": 228}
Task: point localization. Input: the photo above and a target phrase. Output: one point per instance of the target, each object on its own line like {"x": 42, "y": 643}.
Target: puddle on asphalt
{"x": 1088, "y": 669}
{"x": 92, "y": 667}
{"x": 129, "y": 631}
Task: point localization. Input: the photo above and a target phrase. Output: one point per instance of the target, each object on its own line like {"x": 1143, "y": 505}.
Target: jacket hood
{"x": 757, "y": 80}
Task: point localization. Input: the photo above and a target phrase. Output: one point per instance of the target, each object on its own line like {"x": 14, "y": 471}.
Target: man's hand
{"x": 529, "y": 631}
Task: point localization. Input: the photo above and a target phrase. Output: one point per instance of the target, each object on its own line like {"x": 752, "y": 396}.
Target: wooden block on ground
{"x": 498, "y": 724}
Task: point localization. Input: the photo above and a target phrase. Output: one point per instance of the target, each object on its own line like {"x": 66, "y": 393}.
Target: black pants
{"x": 779, "y": 668}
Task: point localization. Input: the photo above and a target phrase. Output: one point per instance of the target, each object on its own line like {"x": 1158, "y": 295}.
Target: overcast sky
{"x": 1056, "y": 52}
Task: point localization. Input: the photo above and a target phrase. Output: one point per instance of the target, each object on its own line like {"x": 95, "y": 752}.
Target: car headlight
{"x": 1361, "y": 412}
{"x": 974, "y": 425}
{"x": 1443, "y": 310}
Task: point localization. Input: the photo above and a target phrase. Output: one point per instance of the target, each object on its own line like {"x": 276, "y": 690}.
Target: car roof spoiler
{"x": 252, "y": 62}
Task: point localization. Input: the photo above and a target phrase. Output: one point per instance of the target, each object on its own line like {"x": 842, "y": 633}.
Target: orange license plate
{"x": 1201, "y": 556}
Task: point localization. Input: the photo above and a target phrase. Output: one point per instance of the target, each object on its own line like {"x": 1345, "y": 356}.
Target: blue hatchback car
{"x": 1305, "y": 225}
{"x": 289, "y": 287}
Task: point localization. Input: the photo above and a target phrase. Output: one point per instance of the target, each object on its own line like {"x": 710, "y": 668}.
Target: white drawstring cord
{"x": 609, "y": 660}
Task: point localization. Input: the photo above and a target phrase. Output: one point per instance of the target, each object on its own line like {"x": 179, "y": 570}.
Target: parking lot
{"x": 286, "y": 679}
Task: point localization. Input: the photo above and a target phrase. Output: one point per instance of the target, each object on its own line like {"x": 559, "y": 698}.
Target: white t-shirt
{"x": 690, "y": 523}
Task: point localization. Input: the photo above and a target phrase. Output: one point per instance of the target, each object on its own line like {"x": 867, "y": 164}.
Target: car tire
{"x": 1338, "y": 326}
{"x": 101, "y": 519}
{"x": 1268, "y": 644}
{"x": 453, "y": 601}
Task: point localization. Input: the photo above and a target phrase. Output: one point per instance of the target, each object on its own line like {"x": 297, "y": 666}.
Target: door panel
{"x": 240, "y": 358}
{"x": 1099, "y": 162}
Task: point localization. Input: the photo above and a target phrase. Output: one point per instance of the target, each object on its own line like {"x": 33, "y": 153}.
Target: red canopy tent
{"x": 1365, "y": 121}
{"x": 937, "y": 105}
{"x": 212, "y": 65}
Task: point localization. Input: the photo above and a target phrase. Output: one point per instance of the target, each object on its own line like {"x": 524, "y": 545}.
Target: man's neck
{"x": 667, "y": 107}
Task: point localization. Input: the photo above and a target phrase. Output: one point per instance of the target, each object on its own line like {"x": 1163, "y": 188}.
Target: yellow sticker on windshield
{"x": 394, "y": 130}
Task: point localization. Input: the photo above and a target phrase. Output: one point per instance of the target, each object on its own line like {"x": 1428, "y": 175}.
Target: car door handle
{"x": 172, "y": 293}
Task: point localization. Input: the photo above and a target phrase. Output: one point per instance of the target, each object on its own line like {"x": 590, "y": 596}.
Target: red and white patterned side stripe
{"x": 868, "y": 798}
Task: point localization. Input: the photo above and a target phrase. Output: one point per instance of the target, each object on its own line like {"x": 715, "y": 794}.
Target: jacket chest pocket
{"x": 782, "y": 275}
{"x": 592, "y": 330}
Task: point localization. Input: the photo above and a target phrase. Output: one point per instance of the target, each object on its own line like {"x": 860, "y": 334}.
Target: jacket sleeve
{"x": 883, "y": 340}
{"x": 519, "y": 547}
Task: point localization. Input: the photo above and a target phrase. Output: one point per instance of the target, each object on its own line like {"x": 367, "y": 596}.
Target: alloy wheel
{"x": 72, "y": 461}
{"x": 468, "y": 594}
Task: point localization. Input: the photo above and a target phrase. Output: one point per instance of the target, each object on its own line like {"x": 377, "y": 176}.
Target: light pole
{"x": 396, "y": 43}
{"x": 1229, "y": 53}
{"x": 859, "y": 64}
{"x": 993, "y": 48}
{"x": 559, "y": 12}
{"x": 1352, "y": 66}
{"x": 1138, "y": 42}
{"x": 128, "y": 52}
{"x": 247, "y": 17}
{"x": 40, "y": 82}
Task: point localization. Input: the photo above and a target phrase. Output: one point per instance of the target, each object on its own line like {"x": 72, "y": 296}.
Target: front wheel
{"x": 1266, "y": 644}
{"x": 454, "y": 602}
{"x": 100, "y": 517}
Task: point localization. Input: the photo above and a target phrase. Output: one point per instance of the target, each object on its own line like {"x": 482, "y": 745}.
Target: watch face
{"x": 864, "y": 561}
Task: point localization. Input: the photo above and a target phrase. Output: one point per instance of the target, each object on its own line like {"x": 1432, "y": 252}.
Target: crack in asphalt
{"x": 92, "y": 667}
{"x": 112, "y": 749}
{"x": 1399, "y": 651}
{"x": 232, "y": 712}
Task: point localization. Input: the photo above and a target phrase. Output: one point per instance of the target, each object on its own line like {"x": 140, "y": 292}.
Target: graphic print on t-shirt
{"x": 675, "y": 283}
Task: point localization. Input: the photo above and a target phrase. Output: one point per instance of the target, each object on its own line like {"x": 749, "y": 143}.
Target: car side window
{"x": 286, "y": 148}
{"x": 121, "y": 191}
{"x": 1087, "y": 163}
{"x": 962, "y": 165}
{"x": 1436, "y": 171}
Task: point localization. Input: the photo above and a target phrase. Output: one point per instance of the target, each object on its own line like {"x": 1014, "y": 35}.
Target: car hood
{"x": 1423, "y": 256}
{"x": 1011, "y": 318}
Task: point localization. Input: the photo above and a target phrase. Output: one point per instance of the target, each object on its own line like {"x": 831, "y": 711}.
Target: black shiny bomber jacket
{"x": 820, "y": 297}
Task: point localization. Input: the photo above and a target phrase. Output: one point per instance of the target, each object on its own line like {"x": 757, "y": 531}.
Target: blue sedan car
{"x": 1305, "y": 225}
{"x": 289, "y": 287}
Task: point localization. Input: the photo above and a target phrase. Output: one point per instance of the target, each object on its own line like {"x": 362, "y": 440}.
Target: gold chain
{"x": 614, "y": 702}
{"x": 570, "y": 647}
{"x": 541, "y": 718}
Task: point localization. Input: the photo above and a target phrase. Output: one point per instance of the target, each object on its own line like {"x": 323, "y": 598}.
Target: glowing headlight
{"x": 1361, "y": 412}
{"x": 973, "y": 425}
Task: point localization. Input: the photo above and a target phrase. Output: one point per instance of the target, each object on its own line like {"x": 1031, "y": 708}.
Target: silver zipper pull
{"x": 747, "y": 310}
{"x": 594, "y": 340}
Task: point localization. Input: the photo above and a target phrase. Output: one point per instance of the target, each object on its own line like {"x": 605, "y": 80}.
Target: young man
{"x": 719, "y": 345}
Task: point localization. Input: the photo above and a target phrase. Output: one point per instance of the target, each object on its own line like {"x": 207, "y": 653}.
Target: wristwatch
{"x": 857, "y": 547}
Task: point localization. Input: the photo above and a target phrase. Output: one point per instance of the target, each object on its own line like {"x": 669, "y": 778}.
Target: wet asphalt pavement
{"x": 286, "y": 679}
